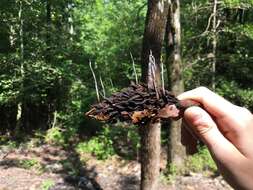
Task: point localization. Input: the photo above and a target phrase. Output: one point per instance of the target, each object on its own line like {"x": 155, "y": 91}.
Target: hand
{"x": 227, "y": 130}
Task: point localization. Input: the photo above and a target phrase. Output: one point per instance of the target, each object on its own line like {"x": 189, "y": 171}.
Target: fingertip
{"x": 205, "y": 128}
{"x": 201, "y": 123}
{"x": 195, "y": 115}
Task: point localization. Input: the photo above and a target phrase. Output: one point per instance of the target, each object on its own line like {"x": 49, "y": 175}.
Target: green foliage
{"x": 59, "y": 136}
{"x": 242, "y": 30}
{"x": 200, "y": 162}
{"x": 101, "y": 146}
{"x": 108, "y": 36}
{"x": 134, "y": 137}
{"x": 9, "y": 144}
{"x": 126, "y": 140}
{"x": 47, "y": 184}
{"x": 120, "y": 139}
{"x": 233, "y": 92}
{"x": 238, "y": 3}
{"x": 234, "y": 48}
{"x": 171, "y": 173}
{"x": 55, "y": 136}
{"x": 29, "y": 163}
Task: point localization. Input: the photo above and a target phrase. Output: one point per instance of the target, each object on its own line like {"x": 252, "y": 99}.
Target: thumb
{"x": 201, "y": 123}
{"x": 204, "y": 127}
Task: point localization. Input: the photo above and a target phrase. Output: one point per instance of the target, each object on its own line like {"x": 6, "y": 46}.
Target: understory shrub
{"x": 201, "y": 161}
{"x": 101, "y": 146}
{"x": 59, "y": 136}
{"x": 118, "y": 139}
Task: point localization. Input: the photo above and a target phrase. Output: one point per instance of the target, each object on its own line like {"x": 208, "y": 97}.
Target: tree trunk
{"x": 48, "y": 36}
{"x": 176, "y": 150}
{"x": 150, "y": 156}
{"x": 70, "y": 21}
{"x": 214, "y": 34}
{"x": 21, "y": 58}
{"x": 150, "y": 134}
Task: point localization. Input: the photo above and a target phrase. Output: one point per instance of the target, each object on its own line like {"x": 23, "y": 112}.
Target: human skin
{"x": 227, "y": 130}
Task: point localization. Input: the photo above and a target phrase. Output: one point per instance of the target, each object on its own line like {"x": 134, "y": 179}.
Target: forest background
{"x": 46, "y": 84}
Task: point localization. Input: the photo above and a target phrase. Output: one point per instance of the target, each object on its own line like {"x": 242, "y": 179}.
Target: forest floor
{"x": 49, "y": 167}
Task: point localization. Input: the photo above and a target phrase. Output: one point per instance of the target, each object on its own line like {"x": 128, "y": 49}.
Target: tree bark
{"x": 150, "y": 134}
{"x": 214, "y": 43}
{"x": 150, "y": 155}
{"x": 49, "y": 28}
{"x": 70, "y": 21}
{"x": 21, "y": 58}
{"x": 177, "y": 151}
{"x": 153, "y": 37}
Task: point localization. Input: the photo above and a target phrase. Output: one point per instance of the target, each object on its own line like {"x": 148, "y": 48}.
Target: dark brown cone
{"x": 137, "y": 104}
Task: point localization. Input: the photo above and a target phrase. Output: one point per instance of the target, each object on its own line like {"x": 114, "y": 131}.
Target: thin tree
{"x": 214, "y": 42}
{"x": 21, "y": 57}
{"x": 49, "y": 29}
{"x": 150, "y": 61}
{"x": 176, "y": 151}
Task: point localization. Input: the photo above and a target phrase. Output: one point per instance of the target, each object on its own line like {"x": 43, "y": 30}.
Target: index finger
{"x": 213, "y": 103}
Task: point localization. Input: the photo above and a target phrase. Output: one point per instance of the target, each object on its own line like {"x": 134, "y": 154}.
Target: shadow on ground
{"x": 64, "y": 162}
{"x": 69, "y": 171}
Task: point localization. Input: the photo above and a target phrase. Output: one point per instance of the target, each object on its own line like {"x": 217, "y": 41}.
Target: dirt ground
{"x": 53, "y": 168}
